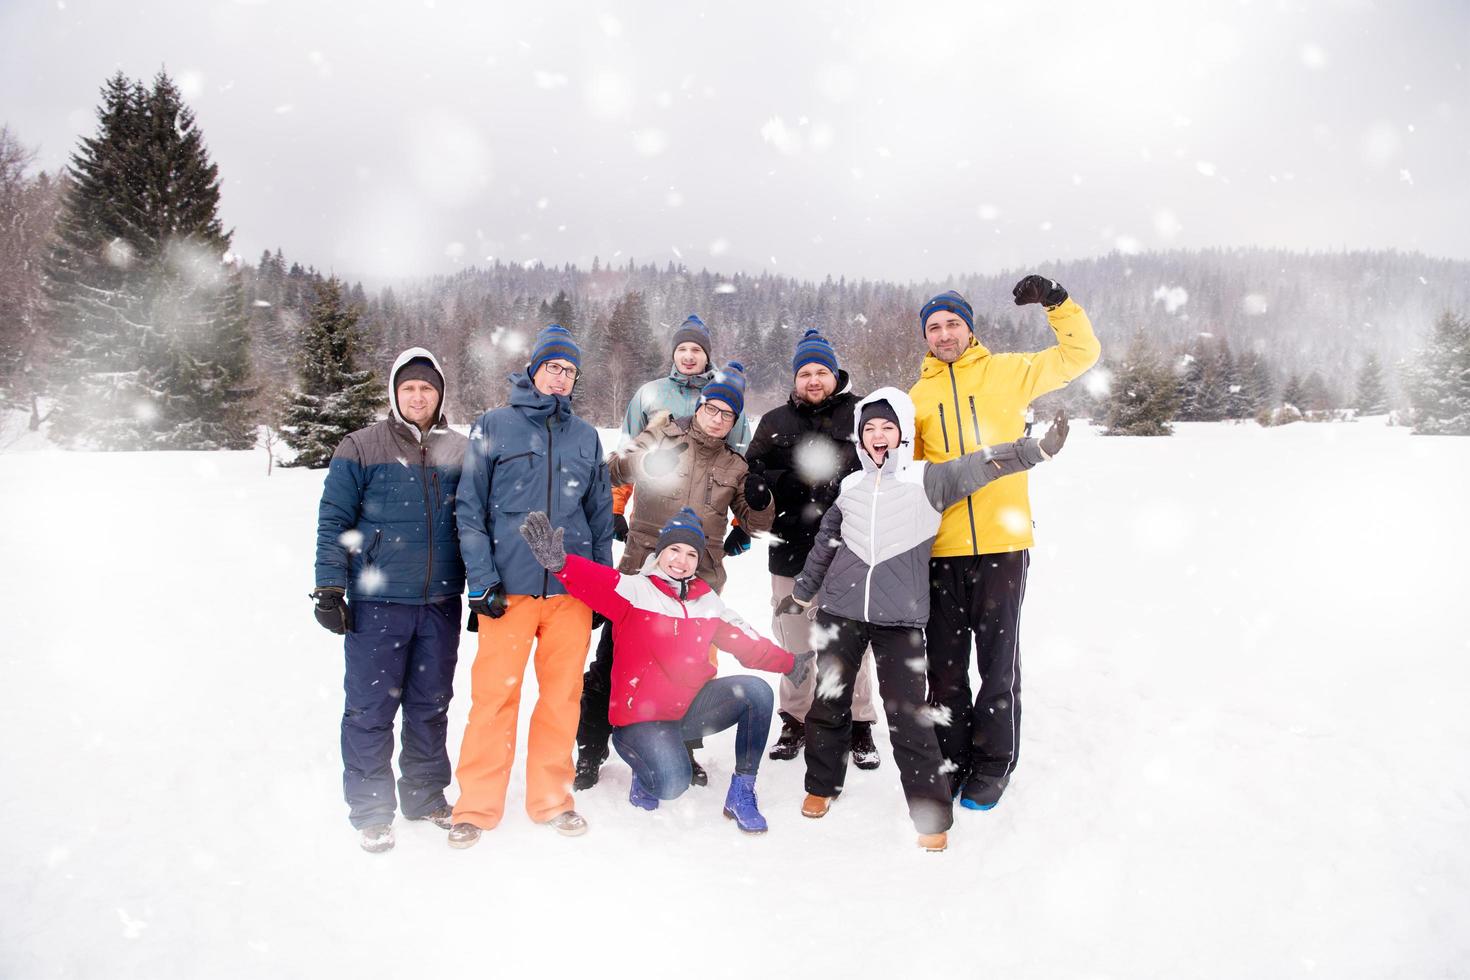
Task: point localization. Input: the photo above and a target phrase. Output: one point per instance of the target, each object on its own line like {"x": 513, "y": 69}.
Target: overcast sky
{"x": 385, "y": 140}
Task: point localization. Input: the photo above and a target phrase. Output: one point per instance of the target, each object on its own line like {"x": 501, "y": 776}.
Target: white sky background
{"x": 396, "y": 139}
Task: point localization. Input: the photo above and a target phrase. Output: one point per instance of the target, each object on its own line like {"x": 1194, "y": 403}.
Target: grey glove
{"x": 802, "y": 669}
{"x": 546, "y": 544}
{"x": 1056, "y": 436}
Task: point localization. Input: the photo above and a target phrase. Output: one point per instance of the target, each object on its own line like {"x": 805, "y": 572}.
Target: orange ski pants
{"x": 559, "y": 628}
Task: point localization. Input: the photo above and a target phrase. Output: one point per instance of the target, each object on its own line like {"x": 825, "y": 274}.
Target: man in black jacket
{"x": 803, "y": 449}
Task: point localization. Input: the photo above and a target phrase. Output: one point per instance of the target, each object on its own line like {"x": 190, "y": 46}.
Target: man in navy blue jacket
{"x": 533, "y": 455}
{"x": 389, "y": 577}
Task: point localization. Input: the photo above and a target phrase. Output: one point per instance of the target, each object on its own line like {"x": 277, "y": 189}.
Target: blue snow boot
{"x": 740, "y": 805}
{"x": 640, "y": 797}
{"x": 975, "y": 805}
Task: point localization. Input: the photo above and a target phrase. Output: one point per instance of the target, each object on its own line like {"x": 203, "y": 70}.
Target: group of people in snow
{"x": 900, "y": 535}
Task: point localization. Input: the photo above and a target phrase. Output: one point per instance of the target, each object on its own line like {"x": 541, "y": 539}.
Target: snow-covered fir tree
{"x": 1372, "y": 398}
{"x": 1439, "y": 379}
{"x": 335, "y": 397}
{"x": 147, "y": 309}
{"x": 1145, "y": 392}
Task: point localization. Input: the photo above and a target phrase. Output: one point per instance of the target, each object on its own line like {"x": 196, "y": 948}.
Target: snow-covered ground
{"x": 1245, "y": 745}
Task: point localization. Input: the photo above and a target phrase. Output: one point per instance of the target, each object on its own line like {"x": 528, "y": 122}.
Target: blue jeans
{"x": 399, "y": 657}
{"x": 655, "y": 750}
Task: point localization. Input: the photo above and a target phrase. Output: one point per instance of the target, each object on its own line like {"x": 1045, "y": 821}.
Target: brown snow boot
{"x": 816, "y": 806}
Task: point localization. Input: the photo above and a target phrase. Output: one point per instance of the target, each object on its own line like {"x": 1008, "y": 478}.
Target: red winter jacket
{"x": 660, "y": 642}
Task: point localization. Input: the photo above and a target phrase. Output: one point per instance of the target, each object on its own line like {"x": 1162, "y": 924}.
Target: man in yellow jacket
{"x": 967, "y": 398}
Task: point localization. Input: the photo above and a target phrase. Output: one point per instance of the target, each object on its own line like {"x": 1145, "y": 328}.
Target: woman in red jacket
{"x": 664, "y": 688}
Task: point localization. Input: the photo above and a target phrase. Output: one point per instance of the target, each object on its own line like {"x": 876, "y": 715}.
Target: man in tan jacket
{"x": 672, "y": 464}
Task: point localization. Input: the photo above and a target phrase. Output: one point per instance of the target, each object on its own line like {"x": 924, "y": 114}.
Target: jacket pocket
{"x": 519, "y": 483}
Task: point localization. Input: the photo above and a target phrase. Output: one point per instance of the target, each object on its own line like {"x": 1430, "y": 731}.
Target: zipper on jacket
{"x": 942, "y": 429}
{"x": 545, "y": 574}
{"x": 975, "y": 422}
{"x": 960, "y": 431}
{"x": 872, "y": 530}
{"x": 428, "y": 516}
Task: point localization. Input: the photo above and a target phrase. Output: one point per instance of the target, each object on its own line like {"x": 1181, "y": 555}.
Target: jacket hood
{"x": 399, "y": 365}
{"x": 525, "y": 396}
{"x": 972, "y": 355}
{"x": 899, "y": 456}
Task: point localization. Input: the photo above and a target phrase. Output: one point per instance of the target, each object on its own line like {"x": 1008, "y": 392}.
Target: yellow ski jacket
{"x": 980, "y": 400}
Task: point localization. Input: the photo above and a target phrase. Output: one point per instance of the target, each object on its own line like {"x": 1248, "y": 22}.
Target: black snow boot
{"x": 697, "y": 775}
{"x": 588, "y": 769}
{"x": 864, "y": 752}
{"x": 793, "y": 737}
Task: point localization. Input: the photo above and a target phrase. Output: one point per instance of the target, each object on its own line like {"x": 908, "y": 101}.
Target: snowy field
{"x": 1245, "y": 749}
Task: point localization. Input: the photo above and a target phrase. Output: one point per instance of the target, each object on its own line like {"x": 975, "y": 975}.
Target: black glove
{"x": 490, "y": 604}
{"x": 790, "y": 607}
{"x": 331, "y": 609}
{"x": 1039, "y": 289}
{"x": 598, "y": 620}
{"x": 1056, "y": 436}
{"x": 546, "y": 544}
{"x": 757, "y": 491}
{"x": 620, "y": 527}
{"x": 665, "y": 459}
{"x": 799, "y": 671}
{"x": 737, "y": 542}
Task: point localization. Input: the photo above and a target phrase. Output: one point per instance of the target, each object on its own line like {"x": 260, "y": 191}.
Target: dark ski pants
{"x": 656, "y": 752}
{"x": 977, "y": 600}
{"x": 593, "y": 728}
{"x": 404, "y": 655}
{"x": 898, "y": 654}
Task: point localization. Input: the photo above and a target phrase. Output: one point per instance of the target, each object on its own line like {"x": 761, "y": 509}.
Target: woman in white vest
{"x": 868, "y": 576}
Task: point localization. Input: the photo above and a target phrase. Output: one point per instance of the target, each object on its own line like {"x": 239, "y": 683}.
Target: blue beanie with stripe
{"x": 552, "y": 344}
{"x": 684, "y": 527}
{"x": 728, "y": 386}
{"x": 813, "y": 348}
{"x": 951, "y": 301}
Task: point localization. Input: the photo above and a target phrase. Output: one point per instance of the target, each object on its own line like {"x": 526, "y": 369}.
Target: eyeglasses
{"x": 717, "y": 413}
{"x": 557, "y": 370}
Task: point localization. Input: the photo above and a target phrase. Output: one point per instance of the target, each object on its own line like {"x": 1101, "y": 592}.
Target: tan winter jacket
{"x": 709, "y": 479}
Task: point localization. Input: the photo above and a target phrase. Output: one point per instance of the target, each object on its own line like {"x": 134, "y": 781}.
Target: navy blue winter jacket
{"x": 385, "y": 528}
{"x": 532, "y": 455}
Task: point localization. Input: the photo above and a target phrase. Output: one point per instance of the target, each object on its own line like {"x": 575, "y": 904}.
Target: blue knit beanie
{"x": 948, "y": 300}
{"x": 728, "y": 386}
{"x": 684, "y": 527}
{"x": 693, "y": 331}
{"x": 813, "y": 348}
{"x": 552, "y": 344}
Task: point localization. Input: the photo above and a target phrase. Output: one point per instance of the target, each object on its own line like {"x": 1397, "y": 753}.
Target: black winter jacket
{"x": 804, "y": 451}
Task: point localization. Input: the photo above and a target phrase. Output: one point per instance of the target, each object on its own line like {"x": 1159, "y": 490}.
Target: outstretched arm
{"x": 946, "y": 484}
{"x": 753, "y": 651}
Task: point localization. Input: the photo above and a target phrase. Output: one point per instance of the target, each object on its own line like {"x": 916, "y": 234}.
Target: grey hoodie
{"x": 870, "y": 561}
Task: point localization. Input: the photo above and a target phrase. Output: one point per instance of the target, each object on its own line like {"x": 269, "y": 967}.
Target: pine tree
{"x": 631, "y": 358}
{"x": 1439, "y": 380}
{"x": 1372, "y": 399}
{"x": 334, "y": 397}
{"x": 1145, "y": 393}
{"x": 28, "y": 210}
{"x": 1294, "y": 394}
{"x": 1257, "y": 386}
{"x": 149, "y": 316}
